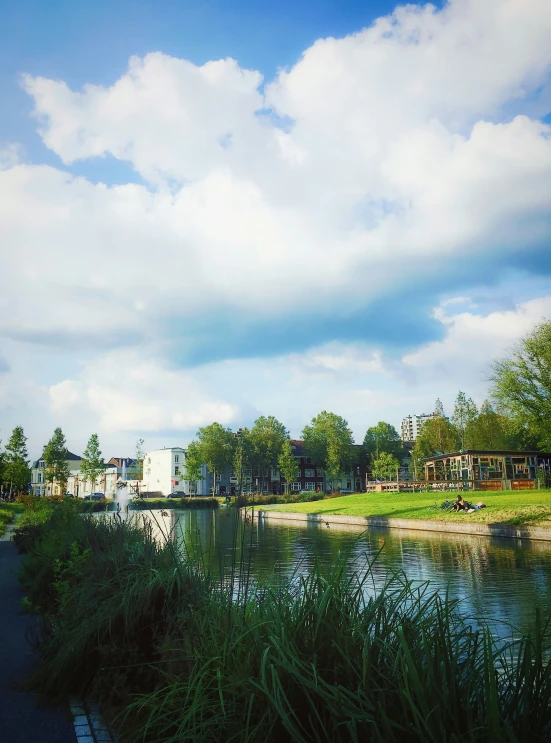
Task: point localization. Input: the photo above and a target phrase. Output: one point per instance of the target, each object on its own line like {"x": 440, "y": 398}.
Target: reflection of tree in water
{"x": 502, "y": 580}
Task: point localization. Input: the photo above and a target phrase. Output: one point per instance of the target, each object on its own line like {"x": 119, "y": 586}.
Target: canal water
{"x": 499, "y": 580}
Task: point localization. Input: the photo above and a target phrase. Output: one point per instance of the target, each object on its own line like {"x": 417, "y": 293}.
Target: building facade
{"x": 164, "y": 474}
{"x": 39, "y": 486}
{"x": 411, "y": 425}
{"x": 480, "y": 468}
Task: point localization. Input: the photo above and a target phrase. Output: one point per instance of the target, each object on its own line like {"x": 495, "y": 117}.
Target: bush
{"x": 151, "y": 503}
{"x": 184, "y": 658}
{"x": 265, "y": 500}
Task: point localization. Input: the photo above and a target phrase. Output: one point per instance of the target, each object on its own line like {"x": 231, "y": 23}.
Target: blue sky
{"x": 352, "y": 215}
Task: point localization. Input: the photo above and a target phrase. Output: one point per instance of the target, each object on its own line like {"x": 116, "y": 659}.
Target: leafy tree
{"x": 140, "y": 456}
{"x": 521, "y": 383}
{"x": 329, "y": 442}
{"x": 287, "y": 463}
{"x": 384, "y": 466}
{"x": 92, "y": 464}
{"x": 266, "y": 439}
{"x": 2, "y": 468}
{"x": 215, "y": 444}
{"x": 382, "y": 437}
{"x": 437, "y": 436}
{"x": 242, "y": 457}
{"x": 192, "y": 467}
{"x": 490, "y": 430}
{"x": 16, "y": 468}
{"x": 55, "y": 459}
{"x": 463, "y": 418}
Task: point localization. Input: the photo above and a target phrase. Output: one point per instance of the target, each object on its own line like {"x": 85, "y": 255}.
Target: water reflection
{"x": 496, "y": 579}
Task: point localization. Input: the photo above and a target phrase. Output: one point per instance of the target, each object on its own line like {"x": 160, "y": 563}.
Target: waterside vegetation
{"x": 178, "y": 655}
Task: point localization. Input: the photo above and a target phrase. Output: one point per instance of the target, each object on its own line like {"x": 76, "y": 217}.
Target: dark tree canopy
{"x": 521, "y": 384}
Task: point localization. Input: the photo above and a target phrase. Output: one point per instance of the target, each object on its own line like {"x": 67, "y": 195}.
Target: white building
{"x": 163, "y": 473}
{"x": 39, "y": 486}
{"x": 412, "y": 425}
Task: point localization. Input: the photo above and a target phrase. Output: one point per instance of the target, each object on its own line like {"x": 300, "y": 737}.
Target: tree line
{"x": 517, "y": 416}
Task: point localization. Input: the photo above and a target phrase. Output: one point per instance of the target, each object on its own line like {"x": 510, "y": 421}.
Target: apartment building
{"x": 411, "y": 425}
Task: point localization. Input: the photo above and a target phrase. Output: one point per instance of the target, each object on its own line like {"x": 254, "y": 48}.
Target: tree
{"x": 490, "y": 429}
{"x": 329, "y": 442}
{"x": 192, "y": 467}
{"x": 266, "y": 439}
{"x": 242, "y": 457}
{"x": 382, "y": 437}
{"x": 16, "y": 466}
{"x": 384, "y": 466}
{"x": 55, "y": 460}
{"x": 92, "y": 464}
{"x": 521, "y": 383}
{"x": 463, "y": 418}
{"x": 215, "y": 444}
{"x": 287, "y": 463}
{"x": 437, "y": 436}
{"x": 140, "y": 456}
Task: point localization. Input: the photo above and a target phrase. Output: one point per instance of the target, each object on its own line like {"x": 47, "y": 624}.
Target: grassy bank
{"x": 531, "y": 507}
{"x": 179, "y": 657}
{"x": 7, "y": 512}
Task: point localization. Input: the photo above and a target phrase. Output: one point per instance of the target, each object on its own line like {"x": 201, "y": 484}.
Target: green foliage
{"x": 146, "y": 504}
{"x": 265, "y": 443}
{"x": 7, "y": 512}
{"x": 215, "y": 448}
{"x": 324, "y": 658}
{"x": 92, "y": 464}
{"x": 135, "y": 472}
{"x": 17, "y": 473}
{"x": 464, "y": 417}
{"x": 287, "y": 463}
{"x": 521, "y": 384}
{"x": 55, "y": 459}
{"x": 192, "y": 466}
{"x": 385, "y": 466}
{"x": 382, "y": 438}
{"x": 329, "y": 442}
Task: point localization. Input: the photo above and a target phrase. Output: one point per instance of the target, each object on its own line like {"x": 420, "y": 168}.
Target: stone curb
{"x": 506, "y": 531}
{"x": 89, "y": 724}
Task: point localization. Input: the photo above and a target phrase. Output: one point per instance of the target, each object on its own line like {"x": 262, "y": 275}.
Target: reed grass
{"x": 182, "y": 656}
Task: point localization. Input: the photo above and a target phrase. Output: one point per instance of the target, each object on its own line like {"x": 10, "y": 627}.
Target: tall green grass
{"x": 184, "y": 657}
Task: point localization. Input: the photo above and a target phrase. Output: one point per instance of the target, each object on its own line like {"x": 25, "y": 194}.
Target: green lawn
{"x": 511, "y": 507}
{"x": 7, "y": 512}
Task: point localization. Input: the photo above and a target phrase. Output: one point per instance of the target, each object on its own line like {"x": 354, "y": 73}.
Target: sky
{"x": 220, "y": 210}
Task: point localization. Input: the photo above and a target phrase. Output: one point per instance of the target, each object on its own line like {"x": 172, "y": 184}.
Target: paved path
{"x": 22, "y": 720}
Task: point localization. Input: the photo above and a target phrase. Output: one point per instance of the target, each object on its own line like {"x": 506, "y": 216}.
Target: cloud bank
{"x": 316, "y": 218}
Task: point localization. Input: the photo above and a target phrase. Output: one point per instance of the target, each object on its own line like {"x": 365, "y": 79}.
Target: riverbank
{"x": 177, "y": 654}
{"x": 513, "y": 508}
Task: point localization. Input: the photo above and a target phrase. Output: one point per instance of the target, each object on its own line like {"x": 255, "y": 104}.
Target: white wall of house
{"x": 164, "y": 469}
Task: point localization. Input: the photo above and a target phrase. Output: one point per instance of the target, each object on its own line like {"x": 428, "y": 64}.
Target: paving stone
{"x": 80, "y": 720}
{"x": 85, "y": 739}
{"x": 83, "y": 730}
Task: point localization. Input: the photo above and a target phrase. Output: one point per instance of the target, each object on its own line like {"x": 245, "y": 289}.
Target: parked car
{"x": 97, "y": 496}
{"x": 177, "y": 494}
{"x": 346, "y": 491}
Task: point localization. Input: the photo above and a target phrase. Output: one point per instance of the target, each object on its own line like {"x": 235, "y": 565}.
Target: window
{"x": 309, "y": 473}
{"x": 176, "y": 458}
{"x": 40, "y": 477}
{"x": 41, "y": 464}
{"x": 295, "y": 486}
{"x": 310, "y": 486}
{"x": 176, "y": 470}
